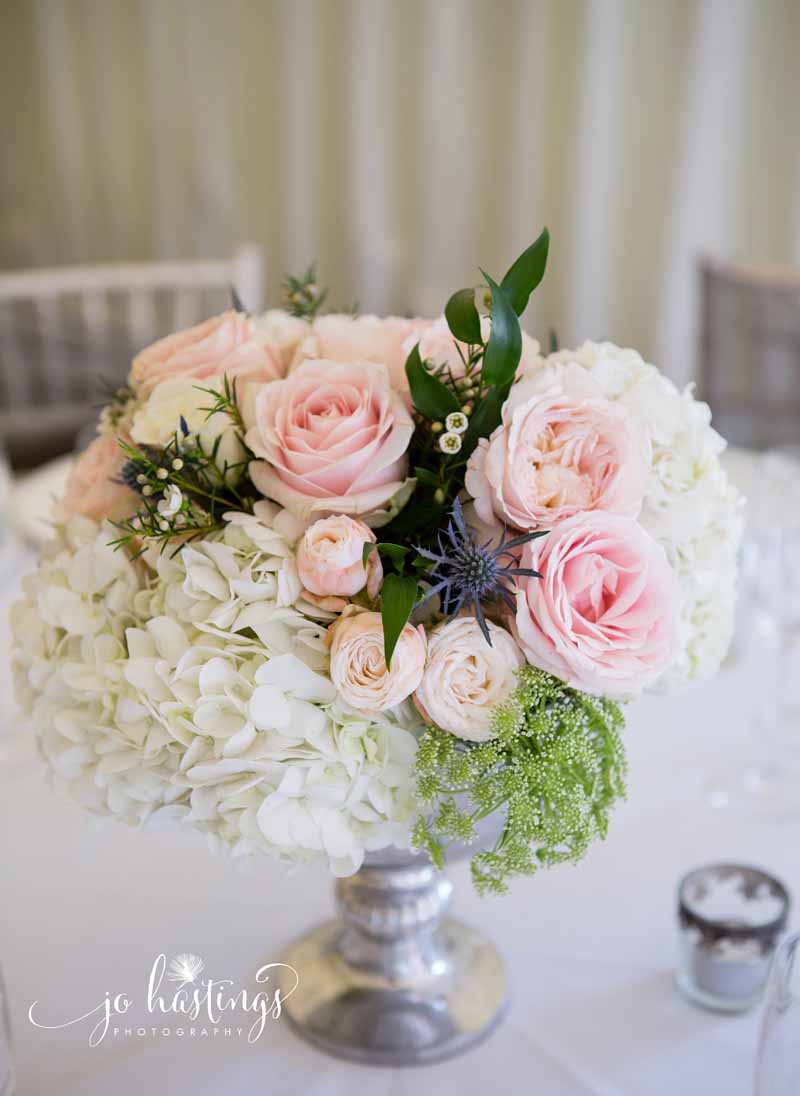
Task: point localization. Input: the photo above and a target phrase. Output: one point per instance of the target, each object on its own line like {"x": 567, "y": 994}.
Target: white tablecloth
{"x": 591, "y": 949}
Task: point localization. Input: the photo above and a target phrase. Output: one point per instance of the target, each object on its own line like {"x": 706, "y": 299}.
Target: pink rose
{"x": 231, "y": 344}
{"x": 93, "y": 488}
{"x": 330, "y": 560}
{"x": 603, "y": 617}
{"x": 358, "y": 668}
{"x": 333, "y": 438}
{"x": 560, "y": 449}
{"x": 379, "y": 339}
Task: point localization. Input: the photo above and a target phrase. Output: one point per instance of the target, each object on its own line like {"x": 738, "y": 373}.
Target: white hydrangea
{"x": 195, "y": 688}
{"x": 690, "y": 507}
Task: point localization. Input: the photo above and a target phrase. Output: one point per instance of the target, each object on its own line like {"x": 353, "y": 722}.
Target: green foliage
{"x": 555, "y": 766}
{"x": 398, "y": 597}
{"x": 504, "y": 348}
{"x": 525, "y": 273}
{"x": 303, "y": 296}
{"x": 462, "y": 317}
{"x": 431, "y": 398}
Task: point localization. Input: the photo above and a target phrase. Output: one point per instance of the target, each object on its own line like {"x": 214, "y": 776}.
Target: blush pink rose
{"x": 604, "y": 615}
{"x": 231, "y": 344}
{"x": 385, "y": 340}
{"x": 358, "y": 666}
{"x": 330, "y": 560}
{"x": 93, "y": 488}
{"x": 333, "y": 439}
{"x": 560, "y": 449}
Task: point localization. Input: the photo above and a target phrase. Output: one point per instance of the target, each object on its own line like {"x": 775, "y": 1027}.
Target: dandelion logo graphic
{"x": 185, "y": 968}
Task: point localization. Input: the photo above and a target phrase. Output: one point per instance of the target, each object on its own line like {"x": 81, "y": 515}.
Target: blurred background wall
{"x": 400, "y": 143}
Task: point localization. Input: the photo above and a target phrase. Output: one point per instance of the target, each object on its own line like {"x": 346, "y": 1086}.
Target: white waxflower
{"x": 689, "y": 506}
{"x": 456, "y": 422}
{"x": 171, "y": 503}
{"x": 450, "y": 443}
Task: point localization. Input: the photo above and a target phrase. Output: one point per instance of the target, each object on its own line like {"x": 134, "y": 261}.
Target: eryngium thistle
{"x": 465, "y": 572}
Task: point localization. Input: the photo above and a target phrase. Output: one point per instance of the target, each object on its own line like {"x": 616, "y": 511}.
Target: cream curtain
{"x": 400, "y": 143}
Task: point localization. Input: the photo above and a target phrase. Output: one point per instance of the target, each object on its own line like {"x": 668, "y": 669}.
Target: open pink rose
{"x": 333, "y": 438}
{"x": 604, "y": 615}
{"x": 385, "y": 340}
{"x": 230, "y": 344}
{"x": 330, "y": 560}
{"x": 560, "y": 449}
{"x": 92, "y": 488}
{"x": 358, "y": 666}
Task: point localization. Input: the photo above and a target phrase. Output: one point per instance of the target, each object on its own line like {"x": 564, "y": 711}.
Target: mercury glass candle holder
{"x": 730, "y": 920}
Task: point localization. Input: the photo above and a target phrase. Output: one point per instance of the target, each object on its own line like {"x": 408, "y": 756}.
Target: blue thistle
{"x": 466, "y": 572}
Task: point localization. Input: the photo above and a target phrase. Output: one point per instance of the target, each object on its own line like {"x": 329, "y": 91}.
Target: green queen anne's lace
{"x": 555, "y": 766}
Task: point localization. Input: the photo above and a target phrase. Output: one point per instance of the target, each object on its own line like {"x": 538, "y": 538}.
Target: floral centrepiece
{"x": 325, "y": 584}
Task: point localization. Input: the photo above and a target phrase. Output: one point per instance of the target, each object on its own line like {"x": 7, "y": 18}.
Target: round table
{"x": 591, "y": 949}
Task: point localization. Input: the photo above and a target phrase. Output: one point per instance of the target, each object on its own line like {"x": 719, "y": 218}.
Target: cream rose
{"x": 561, "y": 449}
{"x": 358, "y": 667}
{"x": 158, "y": 419}
{"x": 93, "y": 488}
{"x": 465, "y": 679}
{"x": 285, "y": 332}
{"x": 228, "y": 345}
{"x": 330, "y": 560}
{"x": 333, "y": 439}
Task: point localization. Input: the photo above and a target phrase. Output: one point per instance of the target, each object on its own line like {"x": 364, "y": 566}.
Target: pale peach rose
{"x": 465, "y": 678}
{"x": 358, "y": 667}
{"x": 333, "y": 438}
{"x": 93, "y": 488}
{"x": 231, "y": 345}
{"x": 330, "y": 560}
{"x": 604, "y": 615}
{"x": 560, "y": 449}
{"x": 385, "y": 340}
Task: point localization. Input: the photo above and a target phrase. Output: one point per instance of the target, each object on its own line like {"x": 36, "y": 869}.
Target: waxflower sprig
{"x": 184, "y": 489}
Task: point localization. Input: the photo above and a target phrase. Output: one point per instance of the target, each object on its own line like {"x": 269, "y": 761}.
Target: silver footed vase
{"x": 394, "y": 980}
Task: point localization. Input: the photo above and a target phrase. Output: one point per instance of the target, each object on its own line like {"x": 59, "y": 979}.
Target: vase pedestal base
{"x": 393, "y": 982}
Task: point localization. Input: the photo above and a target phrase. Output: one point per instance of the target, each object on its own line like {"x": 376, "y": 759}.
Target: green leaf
{"x": 484, "y": 420}
{"x": 398, "y": 597}
{"x": 395, "y": 552}
{"x": 526, "y": 272}
{"x": 431, "y": 398}
{"x": 553, "y": 340}
{"x": 504, "y": 348}
{"x": 462, "y": 317}
{"x": 424, "y": 475}
{"x": 366, "y": 550}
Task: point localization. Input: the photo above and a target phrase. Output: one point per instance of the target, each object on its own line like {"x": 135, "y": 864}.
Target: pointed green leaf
{"x": 398, "y": 597}
{"x": 504, "y": 348}
{"x": 526, "y": 272}
{"x": 462, "y": 317}
{"x": 484, "y": 420}
{"x": 431, "y": 398}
